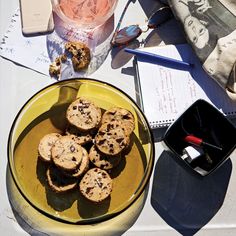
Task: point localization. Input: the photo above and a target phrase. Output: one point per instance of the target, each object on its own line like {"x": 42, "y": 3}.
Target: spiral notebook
{"x": 166, "y": 92}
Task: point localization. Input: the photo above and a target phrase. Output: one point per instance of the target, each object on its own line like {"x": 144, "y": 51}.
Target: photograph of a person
{"x": 204, "y": 22}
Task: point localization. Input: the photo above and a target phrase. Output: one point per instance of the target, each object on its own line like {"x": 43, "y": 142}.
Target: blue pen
{"x": 158, "y": 59}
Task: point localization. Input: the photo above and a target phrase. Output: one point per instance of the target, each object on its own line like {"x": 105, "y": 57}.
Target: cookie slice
{"x": 55, "y": 67}
{"x": 122, "y": 116}
{"x": 82, "y": 168}
{"x": 84, "y": 114}
{"x": 111, "y": 139}
{"x": 82, "y": 137}
{"x": 58, "y": 182}
{"x": 45, "y": 146}
{"x": 80, "y": 55}
{"x": 67, "y": 153}
{"x": 103, "y": 161}
{"x": 96, "y": 185}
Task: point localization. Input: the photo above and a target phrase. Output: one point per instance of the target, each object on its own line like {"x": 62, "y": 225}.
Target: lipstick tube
{"x": 199, "y": 142}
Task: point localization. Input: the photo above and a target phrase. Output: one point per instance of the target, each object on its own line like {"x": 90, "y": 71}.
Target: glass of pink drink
{"x": 85, "y": 13}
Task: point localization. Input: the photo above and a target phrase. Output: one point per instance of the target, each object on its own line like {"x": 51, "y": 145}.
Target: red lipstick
{"x": 199, "y": 142}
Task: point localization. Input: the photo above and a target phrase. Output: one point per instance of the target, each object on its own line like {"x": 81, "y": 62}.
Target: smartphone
{"x": 36, "y": 17}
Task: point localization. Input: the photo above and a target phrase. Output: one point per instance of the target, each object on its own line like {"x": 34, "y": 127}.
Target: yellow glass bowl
{"x": 45, "y": 113}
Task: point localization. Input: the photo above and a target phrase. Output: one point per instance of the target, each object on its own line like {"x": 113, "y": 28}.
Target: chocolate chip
{"x": 101, "y": 132}
{"x": 88, "y": 190}
{"x": 72, "y": 148}
{"x": 101, "y": 142}
{"x": 119, "y": 140}
{"x": 109, "y": 126}
{"x": 126, "y": 117}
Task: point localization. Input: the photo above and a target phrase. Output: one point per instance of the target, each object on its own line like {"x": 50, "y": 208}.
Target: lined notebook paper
{"x": 167, "y": 92}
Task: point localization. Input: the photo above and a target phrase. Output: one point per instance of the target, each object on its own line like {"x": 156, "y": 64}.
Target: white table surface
{"x": 178, "y": 200}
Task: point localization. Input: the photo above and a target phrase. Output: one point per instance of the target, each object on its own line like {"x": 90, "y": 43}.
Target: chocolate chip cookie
{"x": 96, "y": 185}
{"x": 84, "y": 114}
{"x": 59, "y": 182}
{"x": 82, "y": 137}
{"x": 120, "y": 115}
{"x": 82, "y": 167}
{"x": 46, "y": 144}
{"x": 67, "y": 153}
{"x": 103, "y": 161}
{"x": 111, "y": 139}
{"x": 80, "y": 53}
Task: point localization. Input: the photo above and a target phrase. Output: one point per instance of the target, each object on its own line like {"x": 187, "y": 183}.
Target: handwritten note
{"x": 39, "y": 51}
{"x": 167, "y": 92}
{"x": 30, "y": 52}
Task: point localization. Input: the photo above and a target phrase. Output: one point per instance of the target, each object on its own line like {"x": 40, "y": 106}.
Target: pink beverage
{"x": 88, "y": 13}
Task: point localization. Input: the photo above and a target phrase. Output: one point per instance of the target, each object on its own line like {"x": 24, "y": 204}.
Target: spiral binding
{"x": 161, "y": 124}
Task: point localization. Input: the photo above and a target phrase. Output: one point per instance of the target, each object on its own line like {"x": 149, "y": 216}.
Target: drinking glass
{"x": 84, "y": 13}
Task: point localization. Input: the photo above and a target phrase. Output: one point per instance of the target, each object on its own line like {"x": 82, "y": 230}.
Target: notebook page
{"x": 167, "y": 92}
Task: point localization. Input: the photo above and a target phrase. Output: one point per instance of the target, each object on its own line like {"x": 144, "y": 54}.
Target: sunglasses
{"x": 129, "y": 33}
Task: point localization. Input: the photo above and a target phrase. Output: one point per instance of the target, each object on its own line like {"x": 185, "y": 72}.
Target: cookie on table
{"x": 120, "y": 115}
{"x": 80, "y": 53}
{"x": 55, "y": 66}
{"x": 84, "y": 114}
{"x": 82, "y": 167}
{"x": 82, "y": 137}
{"x": 103, "y": 161}
{"x": 58, "y": 181}
{"x": 111, "y": 139}
{"x": 67, "y": 153}
{"x": 96, "y": 185}
{"x": 45, "y": 145}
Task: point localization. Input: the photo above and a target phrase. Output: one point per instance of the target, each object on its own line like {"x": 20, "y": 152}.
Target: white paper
{"x": 38, "y": 52}
{"x": 167, "y": 92}
{"x": 30, "y": 52}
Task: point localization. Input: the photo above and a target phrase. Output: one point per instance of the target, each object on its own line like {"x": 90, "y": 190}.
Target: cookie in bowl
{"x": 45, "y": 146}
{"x": 59, "y": 182}
{"x": 103, "y": 161}
{"x": 84, "y": 114}
{"x": 120, "y": 115}
{"x": 111, "y": 139}
{"x": 81, "y": 168}
{"x": 96, "y": 185}
{"x": 67, "y": 153}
